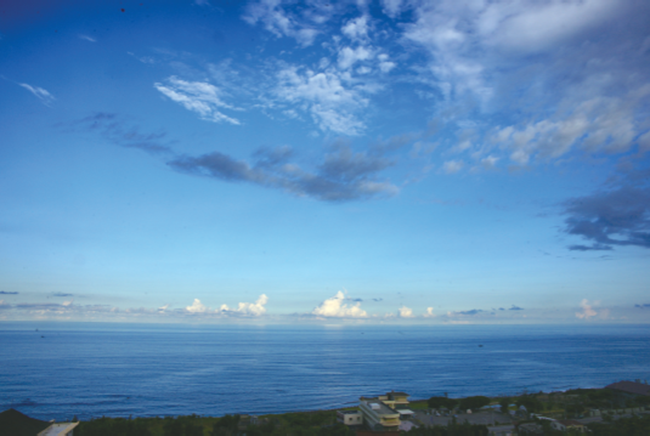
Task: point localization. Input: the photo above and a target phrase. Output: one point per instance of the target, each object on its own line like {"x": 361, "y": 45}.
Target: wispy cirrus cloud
{"x": 281, "y": 22}
{"x": 332, "y": 98}
{"x": 40, "y": 93}
{"x": 87, "y": 38}
{"x": 201, "y": 97}
{"x": 567, "y": 104}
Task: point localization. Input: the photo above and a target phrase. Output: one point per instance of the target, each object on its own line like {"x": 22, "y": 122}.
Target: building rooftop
{"x": 59, "y": 428}
{"x": 349, "y": 412}
{"x": 630, "y": 387}
{"x": 380, "y": 408}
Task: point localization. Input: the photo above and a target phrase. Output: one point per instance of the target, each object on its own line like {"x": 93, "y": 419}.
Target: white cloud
{"x": 87, "y": 38}
{"x": 597, "y": 125}
{"x": 279, "y": 22}
{"x": 356, "y": 28}
{"x": 197, "y": 307}
{"x": 348, "y": 57}
{"x": 336, "y": 121}
{"x": 429, "y": 313}
{"x": 331, "y": 103}
{"x": 392, "y": 8}
{"x": 248, "y": 309}
{"x": 163, "y": 308}
{"x": 41, "y": 93}
{"x": 384, "y": 64}
{"x": 587, "y": 310}
{"x": 452, "y": 166}
{"x": 200, "y": 97}
{"x": 644, "y": 142}
{"x": 405, "y": 312}
{"x": 489, "y": 162}
{"x": 335, "y": 308}
{"x": 531, "y": 26}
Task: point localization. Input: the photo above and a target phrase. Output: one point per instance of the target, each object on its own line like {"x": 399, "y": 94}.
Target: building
{"x": 567, "y": 424}
{"x": 14, "y": 423}
{"x": 59, "y": 429}
{"x": 630, "y": 387}
{"x": 385, "y": 412}
{"x": 379, "y": 416}
{"x": 349, "y": 417}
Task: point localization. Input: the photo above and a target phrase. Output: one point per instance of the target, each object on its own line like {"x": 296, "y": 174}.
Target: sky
{"x": 269, "y": 161}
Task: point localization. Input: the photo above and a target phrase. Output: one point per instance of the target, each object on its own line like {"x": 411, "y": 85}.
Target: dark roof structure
{"x": 630, "y": 387}
{"x": 14, "y": 423}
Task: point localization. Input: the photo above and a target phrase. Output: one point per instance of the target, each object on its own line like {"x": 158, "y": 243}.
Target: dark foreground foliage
{"x": 113, "y": 426}
{"x": 453, "y": 429}
{"x": 635, "y": 426}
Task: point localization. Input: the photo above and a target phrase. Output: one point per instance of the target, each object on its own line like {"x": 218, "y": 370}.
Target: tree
{"x": 440, "y": 402}
{"x": 504, "y": 403}
{"x": 226, "y": 426}
{"x": 530, "y": 402}
{"x": 473, "y": 402}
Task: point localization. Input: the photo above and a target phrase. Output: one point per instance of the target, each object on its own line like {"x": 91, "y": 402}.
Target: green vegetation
{"x": 322, "y": 423}
{"x": 571, "y": 404}
{"x": 505, "y": 404}
{"x": 531, "y": 403}
{"x": 473, "y": 402}
{"x": 452, "y": 429}
{"x": 440, "y": 402}
{"x": 634, "y": 426}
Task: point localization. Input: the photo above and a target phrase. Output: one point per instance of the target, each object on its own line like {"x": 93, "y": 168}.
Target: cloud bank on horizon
{"x": 427, "y": 152}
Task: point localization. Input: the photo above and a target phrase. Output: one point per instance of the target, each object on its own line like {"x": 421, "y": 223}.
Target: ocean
{"x": 91, "y": 370}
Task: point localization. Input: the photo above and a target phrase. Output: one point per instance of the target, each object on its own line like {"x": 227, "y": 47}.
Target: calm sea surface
{"x": 91, "y": 370}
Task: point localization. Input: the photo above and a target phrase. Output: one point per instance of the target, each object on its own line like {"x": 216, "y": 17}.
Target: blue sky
{"x": 315, "y": 162}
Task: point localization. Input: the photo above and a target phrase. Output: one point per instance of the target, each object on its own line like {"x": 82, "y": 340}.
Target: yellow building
{"x": 383, "y": 412}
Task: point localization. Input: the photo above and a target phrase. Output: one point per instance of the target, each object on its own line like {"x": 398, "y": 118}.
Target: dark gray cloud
{"x": 616, "y": 217}
{"x": 516, "y": 308}
{"x": 469, "y": 312}
{"x": 39, "y": 306}
{"x": 118, "y": 131}
{"x": 501, "y": 308}
{"x": 343, "y": 176}
{"x": 642, "y": 306}
{"x": 8, "y": 293}
{"x": 61, "y": 294}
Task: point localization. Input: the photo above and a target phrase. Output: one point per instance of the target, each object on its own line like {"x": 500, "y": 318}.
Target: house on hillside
{"x": 628, "y": 390}
{"x": 349, "y": 417}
